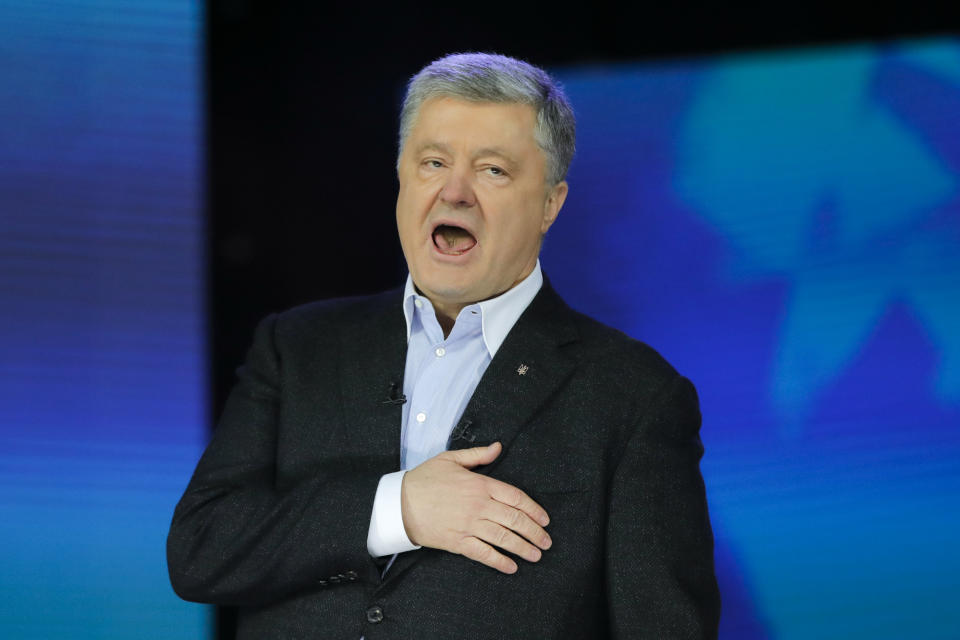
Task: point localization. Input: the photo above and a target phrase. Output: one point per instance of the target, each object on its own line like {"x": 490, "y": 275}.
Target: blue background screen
{"x": 103, "y": 387}
{"x": 785, "y": 229}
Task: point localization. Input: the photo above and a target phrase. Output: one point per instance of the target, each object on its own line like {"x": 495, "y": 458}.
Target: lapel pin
{"x": 522, "y": 370}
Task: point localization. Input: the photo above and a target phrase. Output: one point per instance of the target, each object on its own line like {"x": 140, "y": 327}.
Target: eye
{"x": 496, "y": 171}
{"x": 432, "y": 163}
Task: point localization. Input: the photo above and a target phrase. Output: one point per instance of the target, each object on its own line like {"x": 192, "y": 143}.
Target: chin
{"x": 450, "y": 290}
{"x": 448, "y": 293}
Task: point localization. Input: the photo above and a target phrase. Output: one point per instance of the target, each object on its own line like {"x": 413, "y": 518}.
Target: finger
{"x": 505, "y": 539}
{"x": 478, "y": 550}
{"x": 475, "y": 456}
{"x": 513, "y": 497}
{"x": 519, "y": 522}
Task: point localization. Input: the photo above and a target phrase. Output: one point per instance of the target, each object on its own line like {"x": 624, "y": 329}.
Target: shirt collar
{"x": 498, "y": 315}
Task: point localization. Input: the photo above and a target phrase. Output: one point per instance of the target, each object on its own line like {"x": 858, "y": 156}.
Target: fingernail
{"x": 535, "y": 555}
{"x": 546, "y": 542}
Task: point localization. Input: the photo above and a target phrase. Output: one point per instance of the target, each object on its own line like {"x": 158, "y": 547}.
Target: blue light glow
{"x": 785, "y": 228}
{"x": 102, "y": 372}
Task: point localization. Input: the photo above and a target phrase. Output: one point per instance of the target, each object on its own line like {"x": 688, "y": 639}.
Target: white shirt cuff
{"x": 386, "y": 535}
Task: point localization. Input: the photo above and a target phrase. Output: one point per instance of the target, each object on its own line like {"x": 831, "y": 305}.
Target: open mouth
{"x": 451, "y": 240}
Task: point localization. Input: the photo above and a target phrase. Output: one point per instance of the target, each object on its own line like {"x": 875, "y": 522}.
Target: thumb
{"x": 476, "y": 456}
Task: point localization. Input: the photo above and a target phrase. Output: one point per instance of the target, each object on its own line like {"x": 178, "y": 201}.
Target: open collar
{"x": 498, "y": 315}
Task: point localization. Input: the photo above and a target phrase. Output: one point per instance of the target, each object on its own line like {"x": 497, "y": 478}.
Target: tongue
{"x": 453, "y": 240}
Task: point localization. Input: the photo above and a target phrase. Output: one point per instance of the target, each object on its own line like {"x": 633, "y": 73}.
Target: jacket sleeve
{"x": 237, "y": 536}
{"x": 660, "y": 573}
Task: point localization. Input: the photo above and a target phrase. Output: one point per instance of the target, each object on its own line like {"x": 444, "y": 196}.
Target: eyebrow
{"x": 498, "y": 152}
{"x": 480, "y": 153}
{"x": 438, "y": 146}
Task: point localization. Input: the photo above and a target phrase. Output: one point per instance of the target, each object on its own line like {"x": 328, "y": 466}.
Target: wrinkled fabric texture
{"x": 599, "y": 429}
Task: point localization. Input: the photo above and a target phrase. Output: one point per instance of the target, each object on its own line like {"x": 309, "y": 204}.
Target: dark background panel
{"x": 303, "y": 101}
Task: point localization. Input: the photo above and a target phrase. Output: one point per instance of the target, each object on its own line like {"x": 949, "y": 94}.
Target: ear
{"x": 551, "y": 207}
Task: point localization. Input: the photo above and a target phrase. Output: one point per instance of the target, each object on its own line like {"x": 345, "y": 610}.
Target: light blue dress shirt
{"x": 440, "y": 377}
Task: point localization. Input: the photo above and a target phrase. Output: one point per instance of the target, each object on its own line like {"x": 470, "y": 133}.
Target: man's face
{"x": 473, "y": 203}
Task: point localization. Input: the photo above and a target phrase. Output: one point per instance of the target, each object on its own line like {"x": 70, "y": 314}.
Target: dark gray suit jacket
{"x": 599, "y": 430}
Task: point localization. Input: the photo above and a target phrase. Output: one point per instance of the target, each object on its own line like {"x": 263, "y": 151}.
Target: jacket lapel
{"x": 372, "y": 356}
{"x": 528, "y": 369}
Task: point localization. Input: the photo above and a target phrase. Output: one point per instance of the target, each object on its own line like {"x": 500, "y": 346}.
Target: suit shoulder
{"x": 335, "y": 311}
{"x": 319, "y": 324}
{"x": 614, "y": 350}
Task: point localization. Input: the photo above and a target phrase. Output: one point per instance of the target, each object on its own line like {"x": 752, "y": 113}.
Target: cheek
{"x": 406, "y": 229}
{"x": 406, "y": 209}
{"x": 412, "y": 210}
{"x": 404, "y": 225}
{"x": 414, "y": 201}
{"x": 528, "y": 221}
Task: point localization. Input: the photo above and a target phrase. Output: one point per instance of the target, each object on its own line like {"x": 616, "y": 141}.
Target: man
{"x": 468, "y": 458}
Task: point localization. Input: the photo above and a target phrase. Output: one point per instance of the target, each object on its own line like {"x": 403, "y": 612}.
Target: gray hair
{"x": 487, "y": 77}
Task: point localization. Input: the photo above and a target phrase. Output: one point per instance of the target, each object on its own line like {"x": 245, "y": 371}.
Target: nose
{"x": 458, "y": 191}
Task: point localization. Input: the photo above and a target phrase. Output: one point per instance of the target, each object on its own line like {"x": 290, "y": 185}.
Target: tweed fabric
{"x": 600, "y": 430}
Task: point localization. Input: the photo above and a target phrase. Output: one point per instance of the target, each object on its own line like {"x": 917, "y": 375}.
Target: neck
{"x": 446, "y": 315}
{"x": 447, "y": 312}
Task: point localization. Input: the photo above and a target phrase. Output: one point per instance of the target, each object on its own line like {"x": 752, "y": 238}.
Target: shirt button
{"x": 419, "y": 303}
{"x": 421, "y": 416}
{"x": 440, "y": 352}
{"x": 374, "y": 615}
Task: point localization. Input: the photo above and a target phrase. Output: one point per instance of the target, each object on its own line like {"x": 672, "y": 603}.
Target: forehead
{"x": 452, "y": 121}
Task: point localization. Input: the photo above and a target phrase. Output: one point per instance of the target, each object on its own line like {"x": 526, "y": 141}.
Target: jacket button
{"x": 374, "y": 614}
{"x": 334, "y": 579}
{"x": 351, "y": 575}
{"x": 322, "y": 583}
